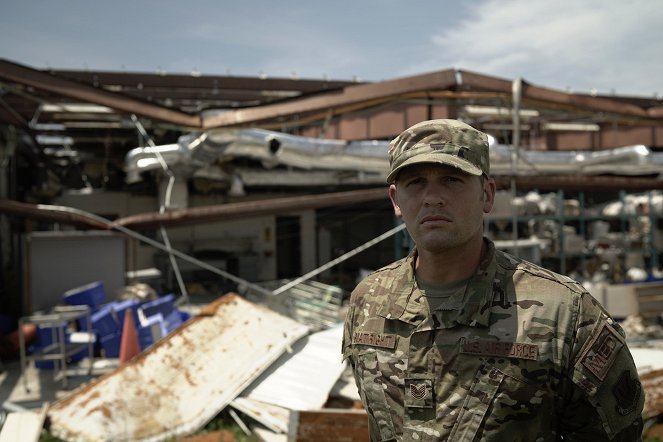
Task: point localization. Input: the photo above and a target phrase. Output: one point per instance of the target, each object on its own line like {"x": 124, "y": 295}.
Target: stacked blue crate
{"x": 151, "y": 330}
{"x": 107, "y": 330}
{"x": 154, "y": 319}
{"x": 93, "y": 295}
{"x": 165, "y": 306}
{"x": 121, "y": 307}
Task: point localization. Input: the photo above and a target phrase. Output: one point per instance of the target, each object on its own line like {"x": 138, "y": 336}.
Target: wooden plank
{"x": 338, "y": 425}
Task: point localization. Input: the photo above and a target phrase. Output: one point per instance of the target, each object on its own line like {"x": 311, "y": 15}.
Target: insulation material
{"x": 183, "y": 381}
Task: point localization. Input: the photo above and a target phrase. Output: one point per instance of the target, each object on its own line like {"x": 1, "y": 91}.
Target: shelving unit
{"x": 560, "y": 256}
{"x": 59, "y": 350}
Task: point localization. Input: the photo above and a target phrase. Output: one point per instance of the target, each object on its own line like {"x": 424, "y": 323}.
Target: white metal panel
{"x": 23, "y": 426}
{"x": 272, "y": 416}
{"x": 302, "y": 380}
{"x": 183, "y": 381}
{"x": 647, "y": 359}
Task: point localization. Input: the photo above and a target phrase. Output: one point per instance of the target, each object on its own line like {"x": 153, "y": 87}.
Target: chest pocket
{"x": 480, "y": 395}
{"x": 498, "y": 406}
{"x": 372, "y": 380}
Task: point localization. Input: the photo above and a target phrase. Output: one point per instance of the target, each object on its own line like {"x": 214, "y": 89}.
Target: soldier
{"x": 462, "y": 342}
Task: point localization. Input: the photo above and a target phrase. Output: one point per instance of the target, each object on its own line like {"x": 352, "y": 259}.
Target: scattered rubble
{"x": 210, "y": 360}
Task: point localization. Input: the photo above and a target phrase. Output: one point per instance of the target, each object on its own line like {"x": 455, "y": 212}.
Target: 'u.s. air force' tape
{"x": 504, "y": 349}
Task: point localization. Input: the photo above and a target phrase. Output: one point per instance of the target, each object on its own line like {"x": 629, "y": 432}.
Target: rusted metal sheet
{"x": 363, "y": 95}
{"x": 183, "y": 381}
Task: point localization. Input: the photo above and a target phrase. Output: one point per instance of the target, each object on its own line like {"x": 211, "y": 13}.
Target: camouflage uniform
{"x": 522, "y": 354}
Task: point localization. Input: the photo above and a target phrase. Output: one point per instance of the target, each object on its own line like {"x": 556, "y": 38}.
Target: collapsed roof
{"x": 89, "y": 118}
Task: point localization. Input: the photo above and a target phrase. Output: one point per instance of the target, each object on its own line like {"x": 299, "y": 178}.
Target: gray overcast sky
{"x": 579, "y": 45}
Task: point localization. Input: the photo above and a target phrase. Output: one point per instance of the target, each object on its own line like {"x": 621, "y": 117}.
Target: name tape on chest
{"x": 516, "y": 350}
{"x": 383, "y": 340}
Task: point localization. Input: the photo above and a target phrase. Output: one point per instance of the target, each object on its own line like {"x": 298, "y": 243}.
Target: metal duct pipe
{"x": 195, "y": 151}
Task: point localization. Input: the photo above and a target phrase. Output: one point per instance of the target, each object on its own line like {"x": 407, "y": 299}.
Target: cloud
{"x": 579, "y": 44}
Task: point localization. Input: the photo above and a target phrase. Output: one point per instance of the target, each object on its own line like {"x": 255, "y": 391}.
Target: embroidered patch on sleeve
{"x": 627, "y": 392}
{"x": 383, "y": 340}
{"x": 602, "y": 352}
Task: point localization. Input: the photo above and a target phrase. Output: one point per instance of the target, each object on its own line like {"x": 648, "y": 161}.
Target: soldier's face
{"x": 442, "y": 206}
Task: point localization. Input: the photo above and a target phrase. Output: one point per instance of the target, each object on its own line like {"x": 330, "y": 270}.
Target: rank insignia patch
{"x": 418, "y": 393}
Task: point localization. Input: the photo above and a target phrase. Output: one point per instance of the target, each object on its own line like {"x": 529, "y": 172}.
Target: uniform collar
{"x": 404, "y": 302}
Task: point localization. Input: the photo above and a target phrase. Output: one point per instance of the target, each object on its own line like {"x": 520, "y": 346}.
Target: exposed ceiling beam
{"x": 202, "y": 82}
{"x": 345, "y": 97}
{"x": 546, "y": 95}
{"x": 351, "y": 95}
{"x": 44, "y": 81}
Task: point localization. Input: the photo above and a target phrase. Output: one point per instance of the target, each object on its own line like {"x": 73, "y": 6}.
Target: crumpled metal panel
{"x": 272, "y": 148}
{"x": 183, "y": 381}
{"x": 303, "y": 379}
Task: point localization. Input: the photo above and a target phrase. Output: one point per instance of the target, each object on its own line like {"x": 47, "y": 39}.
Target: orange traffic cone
{"x": 129, "y": 346}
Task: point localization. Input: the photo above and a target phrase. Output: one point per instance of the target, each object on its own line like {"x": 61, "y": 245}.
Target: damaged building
{"x": 272, "y": 190}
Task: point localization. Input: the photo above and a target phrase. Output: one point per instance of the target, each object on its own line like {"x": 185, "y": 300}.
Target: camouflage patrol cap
{"x": 449, "y": 142}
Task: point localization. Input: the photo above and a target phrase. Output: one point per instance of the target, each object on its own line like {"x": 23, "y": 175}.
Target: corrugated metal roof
{"x": 183, "y": 381}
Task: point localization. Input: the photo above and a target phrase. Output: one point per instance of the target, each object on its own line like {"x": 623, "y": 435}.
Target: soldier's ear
{"x": 489, "y": 189}
{"x": 394, "y": 201}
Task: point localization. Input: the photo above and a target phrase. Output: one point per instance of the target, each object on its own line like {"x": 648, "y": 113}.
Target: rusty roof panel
{"x": 183, "y": 381}
{"x": 62, "y": 86}
{"x": 362, "y": 95}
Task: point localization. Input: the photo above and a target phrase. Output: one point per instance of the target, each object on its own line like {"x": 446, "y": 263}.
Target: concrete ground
{"x": 30, "y": 387}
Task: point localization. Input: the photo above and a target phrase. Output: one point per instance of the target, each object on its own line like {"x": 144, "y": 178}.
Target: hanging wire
{"x": 241, "y": 282}
{"x": 165, "y": 204}
{"x": 164, "y": 247}
{"x": 341, "y": 258}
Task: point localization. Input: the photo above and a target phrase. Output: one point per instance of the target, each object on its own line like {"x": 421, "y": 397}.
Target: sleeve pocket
{"x": 372, "y": 390}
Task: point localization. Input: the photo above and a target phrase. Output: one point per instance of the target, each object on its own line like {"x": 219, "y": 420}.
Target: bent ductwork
{"x": 200, "y": 150}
